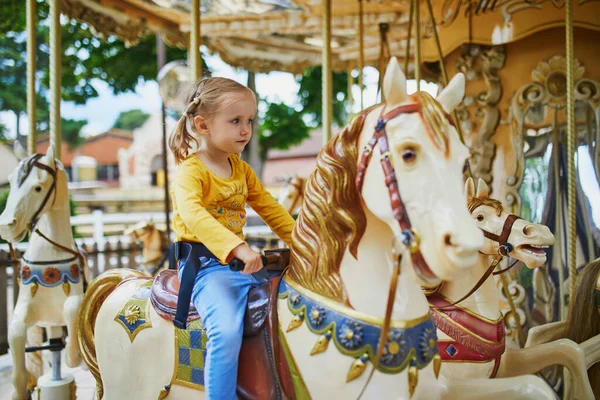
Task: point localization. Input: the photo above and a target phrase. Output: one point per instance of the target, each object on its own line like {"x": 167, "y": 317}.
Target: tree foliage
{"x": 130, "y": 120}
{"x": 311, "y": 94}
{"x": 282, "y": 127}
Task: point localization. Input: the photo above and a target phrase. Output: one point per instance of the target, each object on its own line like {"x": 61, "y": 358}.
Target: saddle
{"x": 263, "y": 371}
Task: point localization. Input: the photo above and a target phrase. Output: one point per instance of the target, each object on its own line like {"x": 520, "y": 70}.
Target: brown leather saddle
{"x": 263, "y": 371}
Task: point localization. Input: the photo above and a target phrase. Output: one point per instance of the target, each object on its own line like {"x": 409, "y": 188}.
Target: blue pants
{"x": 220, "y": 295}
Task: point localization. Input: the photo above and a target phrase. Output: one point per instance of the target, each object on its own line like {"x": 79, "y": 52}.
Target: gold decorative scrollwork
{"x": 537, "y": 110}
{"x": 476, "y": 63}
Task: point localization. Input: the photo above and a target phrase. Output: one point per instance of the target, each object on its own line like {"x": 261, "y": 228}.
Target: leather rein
{"x": 36, "y": 216}
{"x": 409, "y": 237}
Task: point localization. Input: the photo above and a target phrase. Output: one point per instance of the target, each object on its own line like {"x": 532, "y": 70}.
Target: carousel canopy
{"x": 258, "y": 35}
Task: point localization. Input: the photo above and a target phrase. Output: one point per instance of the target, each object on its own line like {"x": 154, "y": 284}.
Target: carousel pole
{"x": 571, "y": 138}
{"x": 418, "y": 43}
{"x": 327, "y": 95}
{"x": 195, "y": 60}
{"x": 443, "y": 66}
{"x": 31, "y": 61}
{"x": 55, "y": 58}
{"x": 361, "y": 51}
{"x": 410, "y": 23}
{"x": 350, "y": 84}
{"x": 161, "y": 60}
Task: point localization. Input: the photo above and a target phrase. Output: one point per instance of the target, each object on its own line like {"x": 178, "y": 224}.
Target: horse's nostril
{"x": 448, "y": 240}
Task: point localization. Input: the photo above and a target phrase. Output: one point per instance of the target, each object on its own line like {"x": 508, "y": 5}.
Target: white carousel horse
{"x": 50, "y": 272}
{"x": 581, "y": 326}
{"x": 472, "y": 334}
{"x": 291, "y": 195}
{"x": 155, "y": 246}
{"x": 341, "y": 269}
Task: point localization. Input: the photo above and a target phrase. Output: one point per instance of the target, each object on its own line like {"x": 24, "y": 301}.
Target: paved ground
{"x": 86, "y": 385}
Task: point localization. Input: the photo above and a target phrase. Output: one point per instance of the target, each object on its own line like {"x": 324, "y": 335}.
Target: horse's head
{"x": 418, "y": 155}
{"x": 140, "y": 231}
{"x": 525, "y": 240}
{"x": 291, "y": 193}
{"x": 34, "y": 189}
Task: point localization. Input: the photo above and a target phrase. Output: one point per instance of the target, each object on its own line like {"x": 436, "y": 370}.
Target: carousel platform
{"x": 86, "y": 385}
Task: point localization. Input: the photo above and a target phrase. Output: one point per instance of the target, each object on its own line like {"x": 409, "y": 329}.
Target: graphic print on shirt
{"x": 230, "y": 206}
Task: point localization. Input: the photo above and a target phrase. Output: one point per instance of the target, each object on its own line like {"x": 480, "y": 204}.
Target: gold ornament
{"x": 34, "y": 289}
{"x": 437, "y": 365}
{"x": 132, "y": 314}
{"x": 321, "y": 344}
{"x": 66, "y": 288}
{"x": 413, "y": 379}
{"x": 357, "y": 368}
{"x": 296, "y": 322}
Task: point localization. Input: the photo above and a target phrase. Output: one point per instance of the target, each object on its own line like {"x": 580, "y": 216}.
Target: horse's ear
{"x": 19, "y": 151}
{"x": 452, "y": 94}
{"x": 50, "y": 157}
{"x": 469, "y": 189}
{"x": 483, "y": 190}
{"x": 394, "y": 84}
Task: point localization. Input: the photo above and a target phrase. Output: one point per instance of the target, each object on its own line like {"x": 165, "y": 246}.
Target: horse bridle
{"x": 409, "y": 237}
{"x": 31, "y": 226}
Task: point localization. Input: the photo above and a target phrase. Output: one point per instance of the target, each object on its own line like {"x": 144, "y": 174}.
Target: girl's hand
{"x": 252, "y": 260}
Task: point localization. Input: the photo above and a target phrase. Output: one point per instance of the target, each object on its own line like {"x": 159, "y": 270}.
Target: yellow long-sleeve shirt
{"x": 211, "y": 210}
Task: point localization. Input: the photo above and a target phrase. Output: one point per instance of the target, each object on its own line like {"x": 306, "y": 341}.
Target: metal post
{"x": 418, "y": 43}
{"x": 195, "y": 60}
{"x": 327, "y": 95}
{"x": 361, "y": 47}
{"x": 55, "y": 67}
{"x": 31, "y": 61}
{"x": 571, "y": 136}
{"x": 161, "y": 60}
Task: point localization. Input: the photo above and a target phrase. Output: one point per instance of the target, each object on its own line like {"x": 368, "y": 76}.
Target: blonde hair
{"x": 205, "y": 97}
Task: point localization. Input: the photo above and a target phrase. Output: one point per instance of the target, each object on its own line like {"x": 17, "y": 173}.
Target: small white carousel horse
{"x": 50, "y": 272}
{"x": 291, "y": 195}
{"x": 581, "y": 326}
{"x": 155, "y": 246}
{"x": 472, "y": 334}
{"x": 335, "y": 287}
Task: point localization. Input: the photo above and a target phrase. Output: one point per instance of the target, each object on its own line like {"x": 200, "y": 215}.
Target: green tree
{"x": 3, "y": 133}
{"x": 282, "y": 127}
{"x": 71, "y": 129}
{"x": 310, "y": 93}
{"x": 130, "y": 120}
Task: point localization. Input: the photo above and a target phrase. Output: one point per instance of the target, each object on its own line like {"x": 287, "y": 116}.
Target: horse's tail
{"x": 97, "y": 292}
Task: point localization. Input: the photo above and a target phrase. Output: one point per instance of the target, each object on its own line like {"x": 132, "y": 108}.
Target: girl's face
{"x": 230, "y": 129}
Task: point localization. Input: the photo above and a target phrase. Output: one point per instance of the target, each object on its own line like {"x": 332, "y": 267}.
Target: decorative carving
{"x": 481, "y": 62}
{"x": 105, "y": 25}
{"x": 532, "y": 123}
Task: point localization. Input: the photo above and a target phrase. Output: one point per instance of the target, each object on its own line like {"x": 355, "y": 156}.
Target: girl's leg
{"x": 220, "y": 296}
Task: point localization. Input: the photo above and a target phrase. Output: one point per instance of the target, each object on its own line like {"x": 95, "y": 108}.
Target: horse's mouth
{"x": 534, "y": 250}
{"x": 12, "y": 238}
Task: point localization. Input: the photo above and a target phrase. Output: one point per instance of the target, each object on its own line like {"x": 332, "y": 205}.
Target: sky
{"x": 102, "y": 111}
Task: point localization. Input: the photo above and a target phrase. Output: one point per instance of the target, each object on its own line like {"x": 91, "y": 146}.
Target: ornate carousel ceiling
{"x": 259, "y": 35}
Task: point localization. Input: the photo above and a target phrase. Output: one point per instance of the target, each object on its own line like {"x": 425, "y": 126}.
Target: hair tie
{"x": 185, "y": 115}
{"x": 196, "y": 100}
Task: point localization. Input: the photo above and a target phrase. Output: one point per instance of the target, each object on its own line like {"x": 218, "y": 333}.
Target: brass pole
{"x": 418, "y": 43}
{"x": 55, "y": 58}
{"x": 443, "y": 66}
{"x": 571, "y": 138}
{"x": 361, "y": 47}
{"x": 31, "y": 61}
{"x": 327, "y": 95}
{"x": 410, "y": 27}
{"x": 195, "y": 60}
{"x": 350, "y": 84}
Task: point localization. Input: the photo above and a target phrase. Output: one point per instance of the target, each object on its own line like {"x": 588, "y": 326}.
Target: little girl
{"x": 209, "y": 195}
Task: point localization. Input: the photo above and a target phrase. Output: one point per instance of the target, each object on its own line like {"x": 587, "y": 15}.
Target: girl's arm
{"x": 210, "y": 232}
{"x": 265, "y": 205}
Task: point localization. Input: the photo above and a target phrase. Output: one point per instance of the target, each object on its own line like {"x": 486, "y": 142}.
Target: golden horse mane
{"x": 583, "y": 321}
{"x": 332, "y": 218}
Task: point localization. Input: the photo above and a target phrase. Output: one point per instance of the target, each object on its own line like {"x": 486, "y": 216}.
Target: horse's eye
{"x": 480, "y": 218}
{"x": 37, "y": 188}
{"x": 409, "y": 155}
